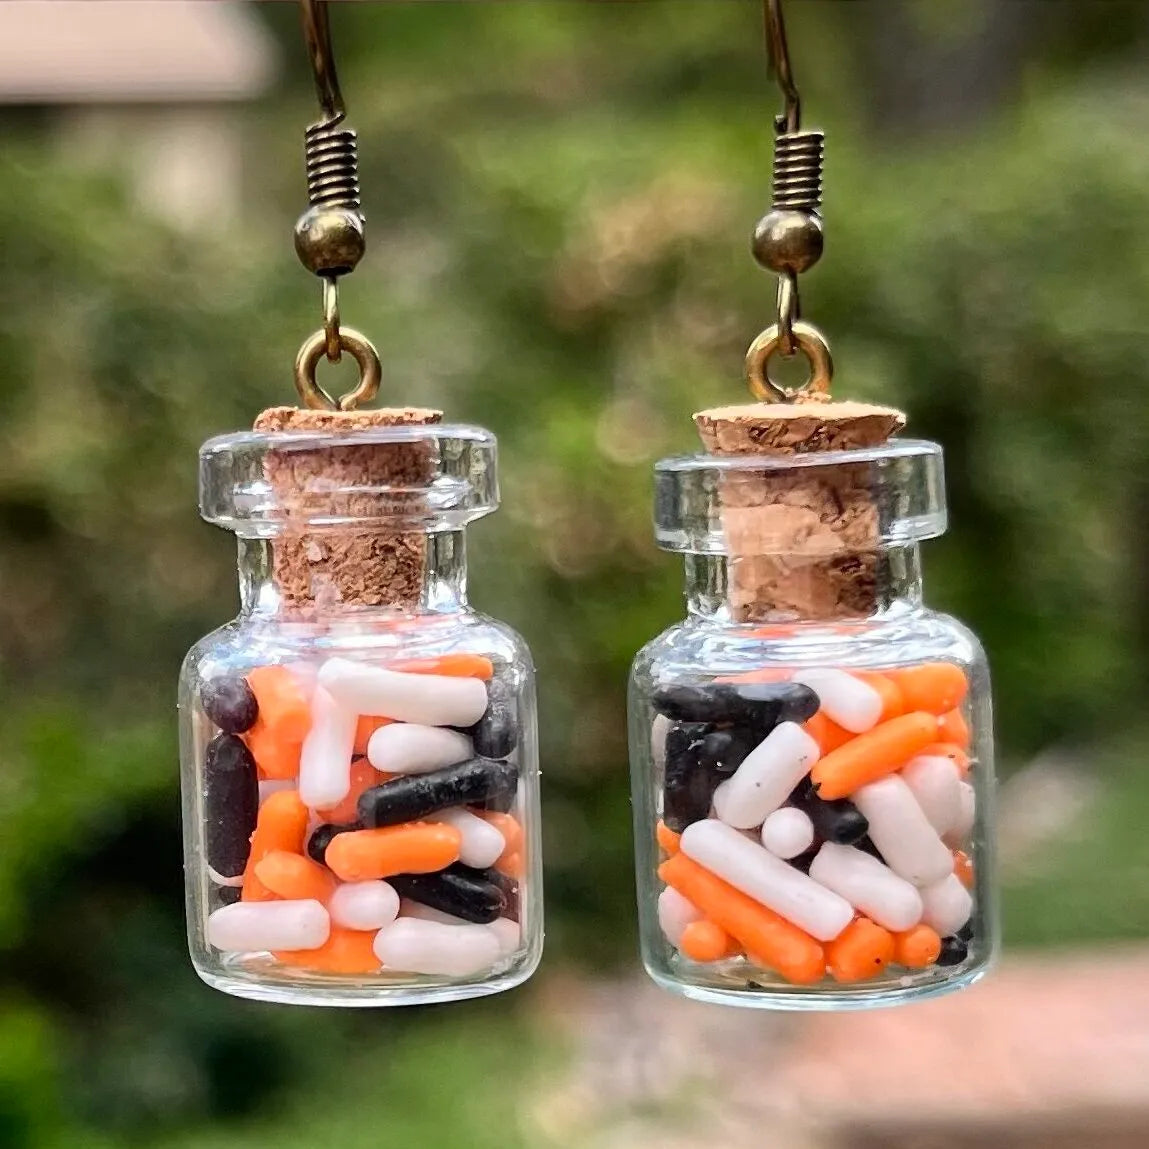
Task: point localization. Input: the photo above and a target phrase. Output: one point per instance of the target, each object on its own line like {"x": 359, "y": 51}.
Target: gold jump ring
{"x": 362, "y": 351}
{"x": 811, "y": 343}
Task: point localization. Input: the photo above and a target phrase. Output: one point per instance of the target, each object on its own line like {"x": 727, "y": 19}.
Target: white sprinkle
{"x": 909, "y": 845}
{"x": 948, "y": 906}
{"x": 429, "y": 699}
{"x": 325, "y": 763}
{"x": 675, "y": 913}
{"x": 408, "y": 748}
{"x": 787, "y": 832}
{"x": 289, "y": 925}
{"x": 767, "y": 879}
{"x": 413, "y": 945}
{"x": 482, "y": 845}
{"x": 851, "y": 703}
{"x": 766, "y": 777}
{"x": 364, "y": 905}
{"x": 868, "y": 886}
{"x": 935, "y": 782}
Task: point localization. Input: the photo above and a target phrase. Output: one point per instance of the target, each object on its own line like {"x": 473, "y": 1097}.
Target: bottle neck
{"x": 899, "y": 583}
{"x": 442, "y": 589}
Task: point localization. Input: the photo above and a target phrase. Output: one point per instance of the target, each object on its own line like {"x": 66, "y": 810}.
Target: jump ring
{"x": 362, "y": 351}
{"x": 811, "y": 343}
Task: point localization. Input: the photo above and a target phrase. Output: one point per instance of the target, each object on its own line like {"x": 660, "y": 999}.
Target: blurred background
{"x": 560, "y": 197}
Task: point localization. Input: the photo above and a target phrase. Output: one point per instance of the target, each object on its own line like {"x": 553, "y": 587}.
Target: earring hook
{"x": 788, "y": 239}
{"x": 329, "y": 235}
{"x": 779, "y": 51}
{"x": 317, "y": 33}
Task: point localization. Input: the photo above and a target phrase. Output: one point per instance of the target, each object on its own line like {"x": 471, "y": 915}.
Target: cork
{"x": 800, "y": 545}
{"x": 365, "y": 566}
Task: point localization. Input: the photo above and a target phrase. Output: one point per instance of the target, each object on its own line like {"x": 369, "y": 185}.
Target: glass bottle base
{"x": 262, "y": 979}
{"x": 796, "y": 999}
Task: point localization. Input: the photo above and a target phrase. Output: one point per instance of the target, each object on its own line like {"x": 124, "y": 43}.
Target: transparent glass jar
{"x": 359, "y": 750}
{"x": 811, "y": 749}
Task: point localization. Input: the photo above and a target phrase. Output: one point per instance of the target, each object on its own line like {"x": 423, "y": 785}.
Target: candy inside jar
{"x": 360, "y": 776}
{"x": 814, "y": 825}
{"x": 390, "y": 801}
{"x": 811, "y": 748}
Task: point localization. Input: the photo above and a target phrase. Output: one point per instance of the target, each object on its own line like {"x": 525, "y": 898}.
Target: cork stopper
{"x": 369, "y": 567}
{"x": 793, "y": 428}
{"x": 802, "y": 543}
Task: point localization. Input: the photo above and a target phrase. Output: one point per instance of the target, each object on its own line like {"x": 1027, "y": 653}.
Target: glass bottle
{"x": 811, "y": 749}
{"x": 358, "y": 748}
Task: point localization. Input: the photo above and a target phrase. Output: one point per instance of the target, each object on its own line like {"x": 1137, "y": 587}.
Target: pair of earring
{"x": 811, "y": 748}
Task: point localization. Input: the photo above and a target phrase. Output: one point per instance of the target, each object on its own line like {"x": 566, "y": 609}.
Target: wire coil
{"x": 332, "y": 166}
{"x": 329, "y": 237}
{"x": 798, "y": 162}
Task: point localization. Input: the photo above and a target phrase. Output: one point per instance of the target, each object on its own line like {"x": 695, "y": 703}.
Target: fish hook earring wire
{"x": 789, "y": 238}
{"x": 329, "y": 236}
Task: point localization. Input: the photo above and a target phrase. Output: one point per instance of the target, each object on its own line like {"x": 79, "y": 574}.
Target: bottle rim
{"x": 922, "y": 450}
{"x": 697, "y": 497}
{"x": 427, "y": 477}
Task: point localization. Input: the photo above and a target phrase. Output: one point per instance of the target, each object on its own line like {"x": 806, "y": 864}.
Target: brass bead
{"x": 329, "y": 240}
{"x": 788, "y": 241}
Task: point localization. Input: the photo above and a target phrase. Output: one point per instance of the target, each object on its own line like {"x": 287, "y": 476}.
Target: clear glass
{"x": 812, "y": 795}
{"x": 360, "y": 775}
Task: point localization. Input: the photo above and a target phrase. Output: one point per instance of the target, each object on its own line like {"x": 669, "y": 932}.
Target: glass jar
{"x": 811, "y": 749}
{"x": 359, "y": 752}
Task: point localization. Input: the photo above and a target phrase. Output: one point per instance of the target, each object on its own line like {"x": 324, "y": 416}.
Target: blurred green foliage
{"x": 559, "y": 196}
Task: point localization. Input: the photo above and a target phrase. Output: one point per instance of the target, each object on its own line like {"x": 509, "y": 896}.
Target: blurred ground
{"x": 1045, "y": 1052}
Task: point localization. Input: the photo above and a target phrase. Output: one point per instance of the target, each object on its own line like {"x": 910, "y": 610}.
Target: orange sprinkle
{"x": 873, "y": 755}
{"x": 363, "y": 777}
{"x": 766, "y": 674}
{"x": 861, "y": 951}
{"x": 283, "y": 708}
{"x": 452, "y": 665}
{"x": 771, "y": 939}
{"x": 952, "y": 727}
{"x": 826, "y": 732}
{"x": 917, "y": 948}
{"x": 948, "y": 750}
{"x": 706, "y": 941}
{"x": 780, "y": 630}
{"x": 368, "y": 724}
{"x": 963, "y": 867}
{"x": 345, "y": 951}
{"x": 280, "y": 825}
{"x": 413, "y": 848}
{"x": 668, "y": 840}
{"x": 893, "y": 704}
{"x": 275, "y": 756}
{"x": 294, "y": 876}
{"x": 510, "y": 865}
{"x": 933, "y": 686}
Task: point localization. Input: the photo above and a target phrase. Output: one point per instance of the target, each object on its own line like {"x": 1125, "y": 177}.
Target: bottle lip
{"x": 903, "y": 479}
{"x": 236, "y": 441}
{"x": 922, "y": 450}
{"x": 427, "y": 477}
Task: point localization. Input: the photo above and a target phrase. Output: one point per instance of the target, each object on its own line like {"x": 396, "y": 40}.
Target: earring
{"x": 359, "y": 758}
{"x": 811, "y": 750}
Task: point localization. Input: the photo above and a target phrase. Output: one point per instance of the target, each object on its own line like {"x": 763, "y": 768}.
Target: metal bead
{"x": 329, "y": 240}
{"x": 788, "y": 241}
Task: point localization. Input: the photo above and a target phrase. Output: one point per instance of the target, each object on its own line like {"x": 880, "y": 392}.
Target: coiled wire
{"x": 332, "y": 165}
{"x": 798, "y": 162}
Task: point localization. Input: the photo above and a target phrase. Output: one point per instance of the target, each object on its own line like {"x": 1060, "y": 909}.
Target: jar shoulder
{"x": 253, "y": 641}
{"x": 707, "y": 646}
